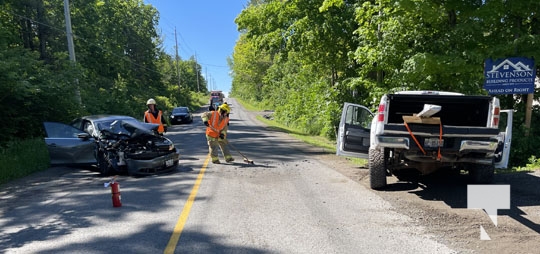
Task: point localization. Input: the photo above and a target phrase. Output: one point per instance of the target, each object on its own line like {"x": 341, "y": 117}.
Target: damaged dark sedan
{"x": 115, "y": 144}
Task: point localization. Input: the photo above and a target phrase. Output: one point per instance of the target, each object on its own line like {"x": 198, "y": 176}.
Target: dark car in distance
{"x": 181, "y": 115}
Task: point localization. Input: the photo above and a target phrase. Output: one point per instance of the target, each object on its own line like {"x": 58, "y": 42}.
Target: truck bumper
{"x": 393, "y": 142}
{"x": 468, "y": 151}
{"x": 466, "y": 146}
{"x": 478, "y": 146}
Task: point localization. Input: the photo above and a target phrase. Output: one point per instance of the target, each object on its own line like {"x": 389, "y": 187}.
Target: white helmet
{"x": 151, "y": 101}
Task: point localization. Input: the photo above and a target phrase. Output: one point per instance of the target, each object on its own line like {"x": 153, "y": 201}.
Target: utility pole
{"x": 177, "y": 59}
{"x": 197, "y": 72}
{"x": 69, "y": 32}
{"x": 71, "y": 47}
{"x": 207, "y": 80}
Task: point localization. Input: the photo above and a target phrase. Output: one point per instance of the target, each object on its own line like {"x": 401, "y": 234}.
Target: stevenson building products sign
{"x": 509, "y": 76}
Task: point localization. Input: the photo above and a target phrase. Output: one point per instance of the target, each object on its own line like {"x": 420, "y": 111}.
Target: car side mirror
{"x": 83, "y": 136}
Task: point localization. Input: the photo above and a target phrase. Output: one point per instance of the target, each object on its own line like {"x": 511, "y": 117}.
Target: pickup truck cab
{"x": 427, "y": 131}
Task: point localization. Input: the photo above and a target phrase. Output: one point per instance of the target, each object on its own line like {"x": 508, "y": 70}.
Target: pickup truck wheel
{"x": 377, "y": 169}
{"x": 481, "y": 173}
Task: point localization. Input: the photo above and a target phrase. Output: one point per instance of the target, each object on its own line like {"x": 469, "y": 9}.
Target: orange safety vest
{"x": 215, "y": 126}
{"x": 157, "y": 120}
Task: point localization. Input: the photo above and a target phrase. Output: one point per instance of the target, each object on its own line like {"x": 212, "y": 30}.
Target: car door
{"x": 68, "y": 145}
{"x": 354, "y": 131}
{"x": 505, "y": 138}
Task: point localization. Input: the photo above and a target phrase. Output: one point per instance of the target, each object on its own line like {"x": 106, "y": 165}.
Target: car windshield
{"x": 180, "y": 110}
{"x": 106, "y": 124}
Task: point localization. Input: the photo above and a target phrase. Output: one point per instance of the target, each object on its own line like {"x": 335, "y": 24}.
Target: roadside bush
{"x": 22, "y": 157}
{"x": 524, "y": 147}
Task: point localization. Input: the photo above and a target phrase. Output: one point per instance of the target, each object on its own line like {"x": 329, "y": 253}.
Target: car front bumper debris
{"x": 157, "y": 165}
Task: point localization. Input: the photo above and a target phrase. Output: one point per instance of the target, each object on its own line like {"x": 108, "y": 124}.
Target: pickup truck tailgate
{"x": 434, "y": 130}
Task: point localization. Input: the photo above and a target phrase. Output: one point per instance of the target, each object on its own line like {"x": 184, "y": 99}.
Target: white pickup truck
{"x": 427, "y": 131}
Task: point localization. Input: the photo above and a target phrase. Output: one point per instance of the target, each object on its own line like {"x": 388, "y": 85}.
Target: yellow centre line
{"x": 175, "y": 237}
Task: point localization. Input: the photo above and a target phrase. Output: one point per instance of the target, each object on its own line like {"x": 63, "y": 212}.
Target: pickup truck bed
{"x": 455, "y": 110}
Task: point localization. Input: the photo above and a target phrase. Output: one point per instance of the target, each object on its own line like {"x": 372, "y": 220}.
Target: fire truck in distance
{"x": 216, "y": 98}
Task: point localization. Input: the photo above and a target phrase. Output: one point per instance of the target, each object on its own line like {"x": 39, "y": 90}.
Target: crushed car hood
{"x": 132, "y": 129}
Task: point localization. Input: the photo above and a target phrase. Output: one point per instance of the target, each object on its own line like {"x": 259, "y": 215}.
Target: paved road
{"x": 287, "y": 202}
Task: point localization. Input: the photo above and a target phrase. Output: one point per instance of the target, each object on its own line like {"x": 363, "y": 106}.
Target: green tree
{"x": 249, "y": 67}
{"x": 313, "y": 39}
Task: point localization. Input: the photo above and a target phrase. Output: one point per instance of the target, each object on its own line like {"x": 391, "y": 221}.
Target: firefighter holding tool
{"x": 216, "y": 132}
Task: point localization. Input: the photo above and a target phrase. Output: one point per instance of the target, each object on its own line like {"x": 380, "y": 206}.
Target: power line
{"x": 213, "y": 65}
{"x": 169, "y": 24}
{"x": 122, "y": 57}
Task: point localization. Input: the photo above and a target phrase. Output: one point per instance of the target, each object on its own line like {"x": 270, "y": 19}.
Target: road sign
{"x": 513, "y": 75}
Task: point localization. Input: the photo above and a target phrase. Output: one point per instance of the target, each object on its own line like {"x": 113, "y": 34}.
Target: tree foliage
{"x": 319, "y": 53}
{"x": 119, "y": 63}
{"x": 292, "y": 55}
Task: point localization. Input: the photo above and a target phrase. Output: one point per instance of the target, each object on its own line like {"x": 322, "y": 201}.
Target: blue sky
{"x": 204, "y": 29}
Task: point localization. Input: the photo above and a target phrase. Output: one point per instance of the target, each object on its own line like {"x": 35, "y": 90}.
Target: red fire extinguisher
{"x": 115, "y": 190}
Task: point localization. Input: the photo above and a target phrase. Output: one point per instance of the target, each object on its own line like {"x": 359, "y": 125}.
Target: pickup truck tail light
{"x": 380, "y": 116}
{"x": 495, "y": 117}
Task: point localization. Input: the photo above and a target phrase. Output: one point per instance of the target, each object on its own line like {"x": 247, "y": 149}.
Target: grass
{"x": 202, "y": 99}
{"x": 21, "y": 158}
{"x": 533, "y": 165}
{"x": 317, "y": 141}
{"x": 513, "y": 170}
{"x": 249, "y": 106}
{"x": 313, "y": 140}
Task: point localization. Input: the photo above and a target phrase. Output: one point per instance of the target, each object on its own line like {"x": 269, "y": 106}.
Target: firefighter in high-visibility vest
{"x": 216, "y": 132}
{"x": 154, "y": 115}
